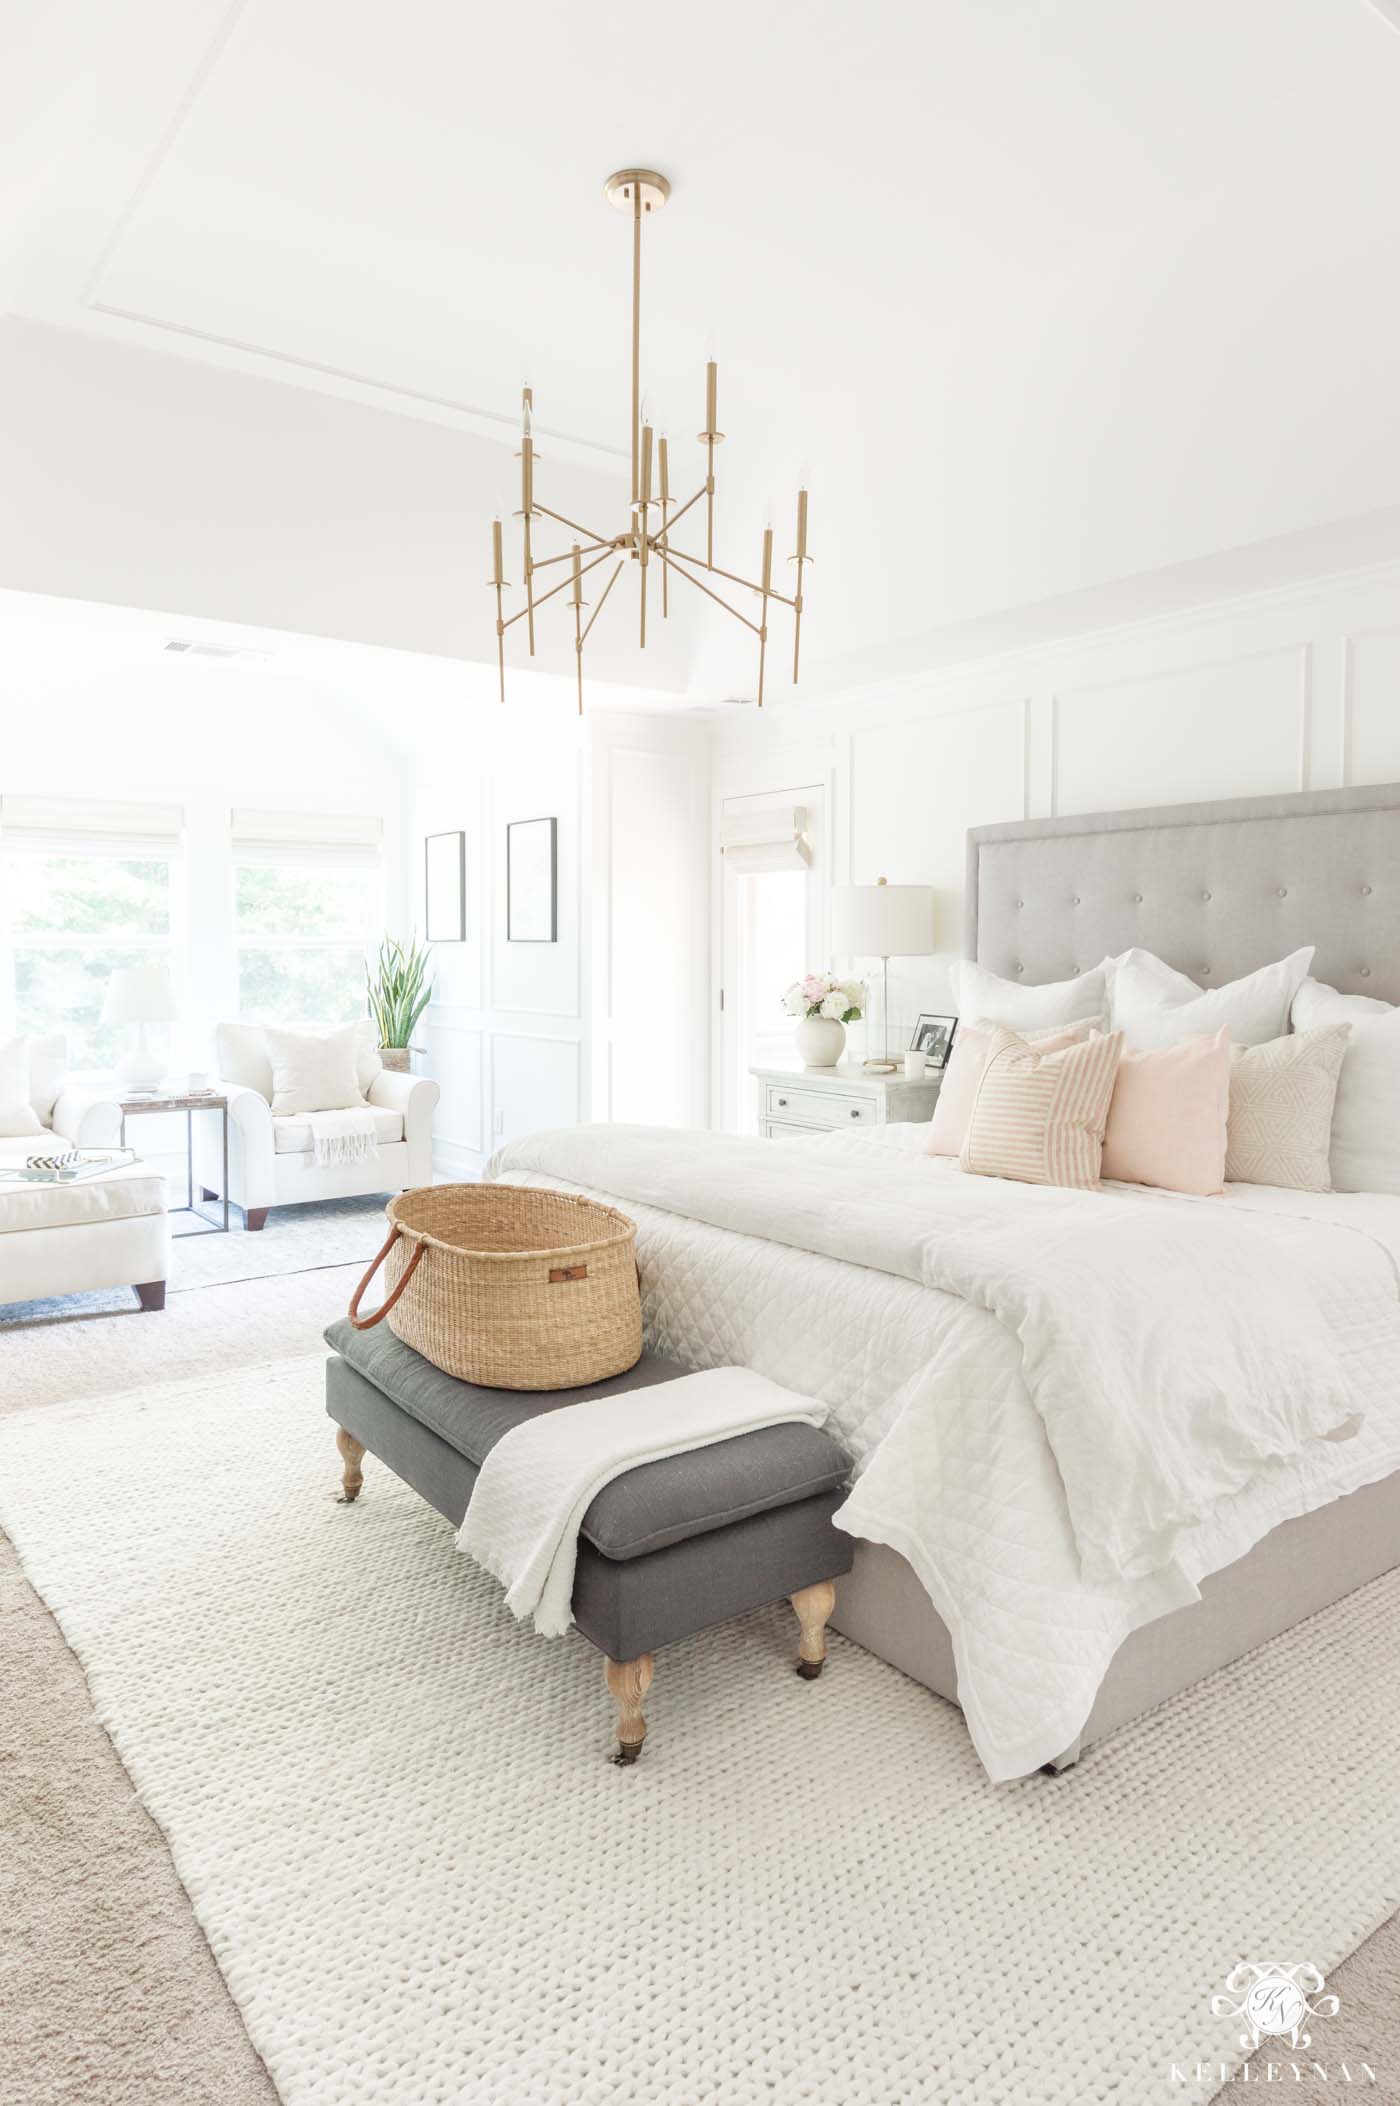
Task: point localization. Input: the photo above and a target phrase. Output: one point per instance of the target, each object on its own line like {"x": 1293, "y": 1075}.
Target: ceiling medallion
{"x": 647, "y": 538}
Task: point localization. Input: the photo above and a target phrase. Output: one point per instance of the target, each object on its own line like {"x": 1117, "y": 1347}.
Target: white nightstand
{"x": 794, "y": 1100}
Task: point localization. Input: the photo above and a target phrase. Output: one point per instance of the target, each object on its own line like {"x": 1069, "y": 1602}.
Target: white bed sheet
{"x": 953, "y": 1465}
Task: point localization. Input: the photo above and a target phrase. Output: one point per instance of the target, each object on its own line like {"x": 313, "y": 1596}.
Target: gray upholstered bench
{"x": 664, "y": 1550}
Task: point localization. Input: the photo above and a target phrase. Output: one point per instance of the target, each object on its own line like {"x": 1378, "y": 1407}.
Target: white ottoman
{"x": 108, "y": 1231}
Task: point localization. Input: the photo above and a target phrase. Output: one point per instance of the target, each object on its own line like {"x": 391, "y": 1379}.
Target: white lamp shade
{"x": 882, "y": 921}
{"x": 139, "y": 994}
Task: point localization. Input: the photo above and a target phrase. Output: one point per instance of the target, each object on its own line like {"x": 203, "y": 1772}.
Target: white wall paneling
{"x": 540, "y": 780}
{"x": 650, "y": 778}
{"x": 1228, "y": 727}
{"x": 1371, "y": 735}
{"x": 455, "y": 1054}
{"x": 535, "y": 1081}
{"x": 607, "y": 1022}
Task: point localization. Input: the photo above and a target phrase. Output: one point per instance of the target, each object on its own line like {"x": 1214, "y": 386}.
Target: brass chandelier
{"x": 646, "y": 540}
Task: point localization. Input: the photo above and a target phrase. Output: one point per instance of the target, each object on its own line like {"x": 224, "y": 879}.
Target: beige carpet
{"x": 109, "y": 1995}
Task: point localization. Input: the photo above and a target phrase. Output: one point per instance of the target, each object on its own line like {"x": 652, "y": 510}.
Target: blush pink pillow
{"x": 952, "y": 1112}
{"x": 1167, "y": 1121}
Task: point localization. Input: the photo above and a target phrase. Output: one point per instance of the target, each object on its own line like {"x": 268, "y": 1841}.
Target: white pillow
{"x": 1366, "y": 1116}
{"x": 1152, "y": 1005}
{"x": 241, "y": 1054}
{"x": 17, "y": 1114}
{"x": 312, "y": 1071}
{"x": 985, "y": 998}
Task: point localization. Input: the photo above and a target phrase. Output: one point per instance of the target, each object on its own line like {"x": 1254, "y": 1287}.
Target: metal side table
{"x": 130, "y": 1106}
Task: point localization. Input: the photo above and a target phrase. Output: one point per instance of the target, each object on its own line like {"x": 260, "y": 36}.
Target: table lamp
{"x": 140, "y": 995}
{"x": 882, "y": 921}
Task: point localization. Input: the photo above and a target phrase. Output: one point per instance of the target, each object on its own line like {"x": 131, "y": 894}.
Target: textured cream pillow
{"x": 313, "y": 1072}
{"x": 1040, "y": 1116}
{"x": 1281, "y": 1099}
{"x": 17, "y": 1114}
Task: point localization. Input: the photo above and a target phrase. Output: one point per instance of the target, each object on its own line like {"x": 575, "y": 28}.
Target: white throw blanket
{"x": 540, "y": 1479}
{"x": 342, "y": 1136}
{"x": 1173, "y": 1350}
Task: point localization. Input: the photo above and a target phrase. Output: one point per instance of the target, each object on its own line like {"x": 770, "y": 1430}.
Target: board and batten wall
{"x": 607, "y": 1022}
{"x": 1292, "y": 690}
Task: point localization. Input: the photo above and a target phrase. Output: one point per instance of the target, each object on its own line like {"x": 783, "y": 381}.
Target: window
{"x": 86, "y": 888}
{"x": 308, "y": 912}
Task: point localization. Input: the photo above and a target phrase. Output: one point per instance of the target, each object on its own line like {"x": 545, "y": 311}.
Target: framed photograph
{"x": 933, "y": 1035}
{"x": 445, "y": 888}
{"x": 532, "y": 881}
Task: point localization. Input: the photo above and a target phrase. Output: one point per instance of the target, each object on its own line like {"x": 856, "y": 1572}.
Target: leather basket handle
{"x": 367, "y": 1323}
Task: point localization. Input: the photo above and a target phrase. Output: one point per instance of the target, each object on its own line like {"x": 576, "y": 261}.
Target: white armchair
{"x": 271, "y": 1162}
{"x": 86, "y": 1118}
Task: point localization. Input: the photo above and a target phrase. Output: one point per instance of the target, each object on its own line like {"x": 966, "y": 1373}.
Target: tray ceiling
{"x": 1040, "y": 298}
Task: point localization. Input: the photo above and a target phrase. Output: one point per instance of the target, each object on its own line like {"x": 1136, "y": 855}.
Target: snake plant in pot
{"x": 399, "y": 990}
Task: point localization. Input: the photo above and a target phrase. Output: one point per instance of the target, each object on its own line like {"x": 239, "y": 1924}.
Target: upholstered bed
{"x": 1215, "y": 890}
{"x": 848, "y": 1268}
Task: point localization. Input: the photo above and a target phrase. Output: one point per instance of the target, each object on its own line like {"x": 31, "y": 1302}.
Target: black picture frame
{"x": 527, "y": 916}
{"x": 445, "y": 889}
{"x": 934, "y": 1036}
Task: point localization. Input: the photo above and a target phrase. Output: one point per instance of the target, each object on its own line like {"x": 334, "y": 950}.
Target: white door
{"x": 774, "y": 900}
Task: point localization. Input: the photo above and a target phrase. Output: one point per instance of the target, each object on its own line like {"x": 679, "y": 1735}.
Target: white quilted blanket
{"x": 809, "y": 1262}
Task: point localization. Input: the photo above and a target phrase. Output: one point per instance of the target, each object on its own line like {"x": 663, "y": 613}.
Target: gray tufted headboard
{"x": 1215, "y": 889}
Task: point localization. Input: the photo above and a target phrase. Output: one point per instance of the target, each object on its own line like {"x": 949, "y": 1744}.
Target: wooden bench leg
{"x": 254, "y": 1218}
{"x": 629, "y": 1681}
{"x": 351, "y": 1475}
{"x": 813, "y": 1606}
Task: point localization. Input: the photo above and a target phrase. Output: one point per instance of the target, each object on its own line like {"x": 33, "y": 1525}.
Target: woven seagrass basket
{"x": 510, "y": 1287}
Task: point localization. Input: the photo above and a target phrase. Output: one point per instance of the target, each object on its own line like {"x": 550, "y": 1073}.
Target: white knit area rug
{"x": 427, "y": 1887}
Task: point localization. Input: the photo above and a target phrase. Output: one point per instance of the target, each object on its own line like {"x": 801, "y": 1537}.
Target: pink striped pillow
{"x": 1039, "y": 1116}
{"x": 958, "y": 1093}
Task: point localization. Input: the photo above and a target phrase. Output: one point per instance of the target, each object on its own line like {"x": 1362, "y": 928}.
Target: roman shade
{"x": 345, "y": 838}
{"x": 773, "y": 837}
{"x": 77, "y": 825}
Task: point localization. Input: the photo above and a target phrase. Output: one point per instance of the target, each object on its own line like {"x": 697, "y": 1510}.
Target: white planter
{"x": 820, "y": 1041}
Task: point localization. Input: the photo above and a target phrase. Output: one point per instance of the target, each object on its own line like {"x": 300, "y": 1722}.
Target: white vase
{"x": 820, "y": 1041}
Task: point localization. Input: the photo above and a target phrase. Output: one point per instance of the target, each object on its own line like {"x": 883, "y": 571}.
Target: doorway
{"x": 772, "y": 853}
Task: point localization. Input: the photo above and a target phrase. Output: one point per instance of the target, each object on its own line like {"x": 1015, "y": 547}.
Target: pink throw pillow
{"x": 952, "y": 1112}
{"x": 1168, "y": 1119}
{"x": 1039, "y": 1117}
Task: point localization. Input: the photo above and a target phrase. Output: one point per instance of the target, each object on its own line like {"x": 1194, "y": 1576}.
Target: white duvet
{"x": 1065, "y": 1408}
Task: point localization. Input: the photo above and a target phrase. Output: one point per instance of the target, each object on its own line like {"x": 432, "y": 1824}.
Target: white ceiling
{"x": 1040, "y": 297}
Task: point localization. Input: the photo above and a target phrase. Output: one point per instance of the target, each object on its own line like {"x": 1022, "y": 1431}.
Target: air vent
{"x": 191, "y": 648}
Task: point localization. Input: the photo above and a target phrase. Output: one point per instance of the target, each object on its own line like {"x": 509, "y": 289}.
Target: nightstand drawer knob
{"x": 782, "y": 1102}
{"x": 856, "y": 1113}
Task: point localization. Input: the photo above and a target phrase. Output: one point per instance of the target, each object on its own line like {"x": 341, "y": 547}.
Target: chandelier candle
{"x": 640, "y": 192}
